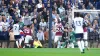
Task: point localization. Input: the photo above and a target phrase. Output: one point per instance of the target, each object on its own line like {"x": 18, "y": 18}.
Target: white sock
{"x": 17, "y": 44}
{"x": 86, "y": 44}
{"x": 58, "y": 45}
{"x": 72, "y": 45}
{"x": 80, "y": 46}
{"x": 20, "y": 41}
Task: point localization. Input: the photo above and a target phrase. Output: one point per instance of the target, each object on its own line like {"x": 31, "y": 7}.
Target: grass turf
{"x": 48, "y": 52}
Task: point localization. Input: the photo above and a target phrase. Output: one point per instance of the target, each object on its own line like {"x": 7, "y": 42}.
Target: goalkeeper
{"x": 37, "y": 43}
{"x": 72, "y": 38}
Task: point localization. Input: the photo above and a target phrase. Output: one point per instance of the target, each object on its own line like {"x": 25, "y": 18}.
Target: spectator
{"x": 40, "y": 36}
{"x": 61, "y": 9}
{"x": 42, "y": 24}
{"x": 27, "y": 20}
{"x": 95, "y": 25}
{"x": 36, "y": 27}
{"x": 11, "y": 34}
{"x": 40, "y": 6}
{"x": 39, "y": 17}
{"x": 46, "y": 35}
{"x": 6, "y": 24}
{"x": 17, "y": 11}
{"x": 5, "y": 36}
{"x": 45, "y": 16}
{"x": 1, "y": 23}
{"x": 23, "y": 17}
{"x": 10, "y": 21}
{"x": 94, "y": 38}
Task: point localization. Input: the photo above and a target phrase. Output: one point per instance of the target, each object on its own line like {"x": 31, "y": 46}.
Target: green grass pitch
{"x": 48, "y": 52}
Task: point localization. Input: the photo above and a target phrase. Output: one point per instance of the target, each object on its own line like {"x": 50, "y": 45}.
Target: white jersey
{"x": 16, "y": 29}
{"x": 1, "y": 26}
{"x": 78, "y": 23}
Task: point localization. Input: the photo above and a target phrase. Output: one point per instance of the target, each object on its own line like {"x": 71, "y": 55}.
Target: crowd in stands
{"x": 36, "y": 13}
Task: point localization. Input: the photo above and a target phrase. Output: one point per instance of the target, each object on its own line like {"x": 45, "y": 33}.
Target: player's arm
{"x": 73, "y": 26}
{"x": 85, "y": 23}
{"x": 62, "y": 28}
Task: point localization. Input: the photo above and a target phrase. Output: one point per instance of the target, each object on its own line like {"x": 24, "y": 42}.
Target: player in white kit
{"x": 16, "y": 30}
{"x": 78, "y": 26}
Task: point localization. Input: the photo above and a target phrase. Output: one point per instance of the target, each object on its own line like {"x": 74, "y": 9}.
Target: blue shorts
{"x": 79, "y": 35}
{"x": 17, "y": 37}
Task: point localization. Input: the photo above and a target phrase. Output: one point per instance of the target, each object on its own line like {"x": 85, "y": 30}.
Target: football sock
{"x": 80, "y": 46}
{"x": 86, "y": 44}
{"x": 58, "y": 45}
{"x": 17, "y": 44}
{"x": 20, "y": 41}
{"x": 72, "y": 45}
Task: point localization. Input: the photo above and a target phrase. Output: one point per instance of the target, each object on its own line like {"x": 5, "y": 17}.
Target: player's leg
{"x": 82, "y": 42}
{"x": 58, "y": 40}
{"x": 26, "y": 43}
{"x": 30, "y": 41}
{"x": 72, "y": 45}
{"x": 16, "y": 38}
{"x": 55, "y": 41}
{"x": 79, "y": 44}
{"x": 20, "y": 41}
{"x": 86, "y": 39}
{"x": 78, "y": 38}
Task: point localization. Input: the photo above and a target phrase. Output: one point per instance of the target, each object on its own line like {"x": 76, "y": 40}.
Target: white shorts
{"x": 85, "y": 35}
{"x": 28, "y": 38}
{"x": 57, "y": 38}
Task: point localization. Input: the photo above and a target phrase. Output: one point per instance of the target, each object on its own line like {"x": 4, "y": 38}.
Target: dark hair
{"x": 28, "y": 26}
{"x": 59, "y": 21}
{"x": 77, "y": 14}
{"x": 16, "y": 21}
{"x": 36, "y": 38}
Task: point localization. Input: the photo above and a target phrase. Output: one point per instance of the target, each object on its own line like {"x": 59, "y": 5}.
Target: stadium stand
{"x": 36, "y": 12}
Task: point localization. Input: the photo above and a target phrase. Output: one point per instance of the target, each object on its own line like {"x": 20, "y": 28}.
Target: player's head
{"x": 5, "y": 20}
{"x": 77, "y": 14}
{"x": 36, "y": 39}
{"x": 28, "y": 26}
{"x": 70, "y": 29}
{"x": 94, "y": 29}
{"x": 58, "y": 21}
{"x": 65, "y": 29}
{"x": 40, "y": 30}
{"x": 16, "y": 21}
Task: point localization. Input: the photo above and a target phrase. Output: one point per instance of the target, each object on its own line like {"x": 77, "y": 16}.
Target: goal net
{"x": 92, "y": 14}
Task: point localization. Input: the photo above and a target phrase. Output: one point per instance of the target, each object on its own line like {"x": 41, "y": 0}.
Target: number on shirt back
{"x": 15, "y": 27}
{"x": 78, "y": 23}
